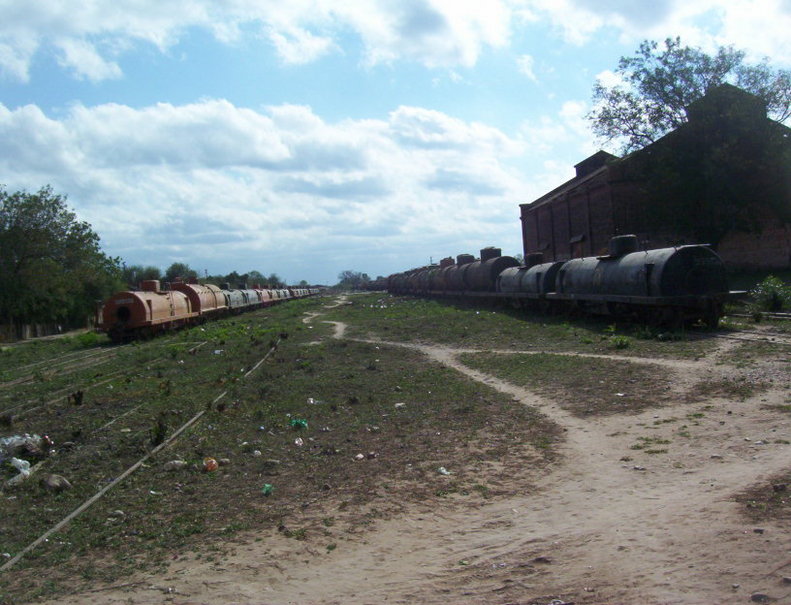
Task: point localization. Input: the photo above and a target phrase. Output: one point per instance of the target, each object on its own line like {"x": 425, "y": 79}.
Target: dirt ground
{"x": 609, "y": 524}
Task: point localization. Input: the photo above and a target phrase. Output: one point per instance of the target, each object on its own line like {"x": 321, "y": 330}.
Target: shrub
{"x": 772, "y": 294}
{"x": 88, "y": 339}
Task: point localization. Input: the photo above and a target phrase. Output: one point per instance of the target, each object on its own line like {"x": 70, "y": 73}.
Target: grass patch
{"x": 750, "y": 354}
{"x": 738, "y": 387}
{"x": 770, "y": 500}
{"x": 581, "y": 385}
{"x": 648, "y": 445}
{"x": 411, "y": 319}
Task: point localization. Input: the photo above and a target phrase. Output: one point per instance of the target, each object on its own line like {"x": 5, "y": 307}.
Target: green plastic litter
{"x": 299, "y": 423}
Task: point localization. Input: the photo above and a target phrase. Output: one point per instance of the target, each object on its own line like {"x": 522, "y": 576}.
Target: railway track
{"x": 64, "y": 366}
{"x": 58, "y": 396}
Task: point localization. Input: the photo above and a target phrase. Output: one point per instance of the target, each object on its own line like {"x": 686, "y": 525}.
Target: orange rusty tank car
{"x": 206, "y": 300}
{"x": 152, "y": 309}
{"x": 145, "y": 312}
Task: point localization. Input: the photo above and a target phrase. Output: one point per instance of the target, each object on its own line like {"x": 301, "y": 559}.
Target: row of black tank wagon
{"x": 666, "y": 286}
{"x": 154, "y": 308}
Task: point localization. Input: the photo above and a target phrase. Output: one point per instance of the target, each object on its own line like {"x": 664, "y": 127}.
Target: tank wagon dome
{"x": 481, "y": 275}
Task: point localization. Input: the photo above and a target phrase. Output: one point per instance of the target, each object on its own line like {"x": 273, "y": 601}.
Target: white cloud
{"x": 610, "y": 79}
{"x": 435, "y": 33}
{"x": 297, "y": 46}
{"x": 161, "y": 182}
{"x": 759, "y": 26}
{"x": 525, "y": 64}
{"x": 85, "y": 61}
{"x": 762, "y": 26}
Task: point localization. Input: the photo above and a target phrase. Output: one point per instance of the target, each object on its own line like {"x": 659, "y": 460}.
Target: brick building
{"x": 650, "y": 191}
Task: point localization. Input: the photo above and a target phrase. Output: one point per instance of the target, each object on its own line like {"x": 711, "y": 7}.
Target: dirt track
{"x": 599, "y": 529}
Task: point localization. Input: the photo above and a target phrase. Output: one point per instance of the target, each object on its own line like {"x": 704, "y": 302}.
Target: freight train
{"x": 667, "y": 286}
{"x": 152, "y": 309}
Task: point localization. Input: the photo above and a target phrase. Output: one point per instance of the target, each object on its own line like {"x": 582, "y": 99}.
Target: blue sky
{"x": 310, "y": 137}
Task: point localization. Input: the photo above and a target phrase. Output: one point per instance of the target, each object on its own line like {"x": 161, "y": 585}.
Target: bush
{"x": 88, "y": 339}
{"x": 772, "y": 294}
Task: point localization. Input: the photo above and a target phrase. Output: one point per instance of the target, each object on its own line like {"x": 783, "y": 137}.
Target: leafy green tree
{"x": 233, "y": 278}
{"x": 51, "y": 266}
{"x": 274, "y": 281}
{"x": 256, "y": 277}
{"x": 658, "y": 84}
{"x": 353, "y": 280}
{"x": 182, "y": 270}
{"x": 134, "y": 274}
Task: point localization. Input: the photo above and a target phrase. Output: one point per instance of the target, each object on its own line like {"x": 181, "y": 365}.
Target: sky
{"x": 309, "y": 137}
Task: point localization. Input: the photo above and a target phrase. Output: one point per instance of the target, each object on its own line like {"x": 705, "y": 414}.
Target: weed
{"x": 483, "y": 490}
{"x": 89, "y": 339}
{"x": 771, "y": 295}
{"x": 620, "y": 342}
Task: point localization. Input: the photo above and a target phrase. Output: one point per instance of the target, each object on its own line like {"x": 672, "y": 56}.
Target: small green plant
{"x": 88, "y": 339}
{"x": 620, "y": 342}
{"x": 771, "y": 295}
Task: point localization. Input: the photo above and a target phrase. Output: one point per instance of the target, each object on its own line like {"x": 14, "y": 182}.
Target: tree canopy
{"x": 353, "y": 280}
{"x": 251, "y": 278}
{"x": 655, "y": 87}
{"x": 134, "y": 274}
{"x": 182, "y": 270}
{"x": 51, "y": 266}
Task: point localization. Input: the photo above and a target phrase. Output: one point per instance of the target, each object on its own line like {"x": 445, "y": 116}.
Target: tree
{"x": 274, "y": 281}
{"x": 256, "y": 277}
{"x": 51, "y": 266}
{"x": 353, "y": 280}
{"x": 134, "y": 274}
{"x": 179, "y": 270}
{"x": 658, "y": 84}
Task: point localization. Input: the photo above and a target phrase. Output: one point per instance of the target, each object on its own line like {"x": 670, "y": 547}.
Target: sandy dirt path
{"x": 605, "y": 525}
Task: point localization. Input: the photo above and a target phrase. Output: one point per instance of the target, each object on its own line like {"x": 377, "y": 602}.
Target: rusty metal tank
{"x": 150, "y": 308}
{"x": 441, "y": 276}
{"x": 234, "y": 299}
{"x": 665, "y": 272}
{"x": 521, "y": 279}
{"x": 266, "y": 296}
{"x": 455, "y": 275}
{"x": 481, "y": 275}
{"x": 204, "y": 299}
{"x": 426, "y": 278}
{"x": 251, "y": 296}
